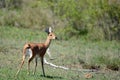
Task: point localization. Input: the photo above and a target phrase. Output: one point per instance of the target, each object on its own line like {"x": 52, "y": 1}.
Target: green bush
{"x": 96, "y": 20}
{"x": 91, "y": 16}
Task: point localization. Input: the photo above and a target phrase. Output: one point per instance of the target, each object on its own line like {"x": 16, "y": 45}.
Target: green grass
{"x": 74, "y": 53}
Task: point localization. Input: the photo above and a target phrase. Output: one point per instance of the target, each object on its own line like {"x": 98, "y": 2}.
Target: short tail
{"x": 28, "y": 46}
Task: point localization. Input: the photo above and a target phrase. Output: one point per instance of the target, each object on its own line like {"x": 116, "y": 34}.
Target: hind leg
{"x": 23, "y": 59}
{"x": 30, "y": 59}
{"x": 35, "y": 65}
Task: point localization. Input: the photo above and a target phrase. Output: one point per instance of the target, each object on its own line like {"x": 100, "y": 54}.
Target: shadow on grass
{"x": 52, "y": 77}
{"x": 37, "y": 76}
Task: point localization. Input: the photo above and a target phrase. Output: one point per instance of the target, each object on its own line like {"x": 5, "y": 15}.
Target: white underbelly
{"x": 29, "y": 52}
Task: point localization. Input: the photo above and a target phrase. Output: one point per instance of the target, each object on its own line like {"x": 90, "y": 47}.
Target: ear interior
{"x": 48, "y": 30}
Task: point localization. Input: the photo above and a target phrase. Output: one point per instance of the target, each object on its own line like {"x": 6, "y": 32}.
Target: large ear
{"x": 48, "y": 30}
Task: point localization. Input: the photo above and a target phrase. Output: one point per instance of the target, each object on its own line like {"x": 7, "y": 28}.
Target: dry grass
{"x": 71, "y": 53}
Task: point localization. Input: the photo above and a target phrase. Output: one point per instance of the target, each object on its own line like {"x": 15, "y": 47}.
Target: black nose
{"x": 56, "y": 38}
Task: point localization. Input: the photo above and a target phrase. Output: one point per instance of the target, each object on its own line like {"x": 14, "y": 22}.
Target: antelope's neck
{"x": 47, "y": 42}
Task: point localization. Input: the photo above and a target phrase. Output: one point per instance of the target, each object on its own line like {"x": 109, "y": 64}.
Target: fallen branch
{"x": 65, "y": 68}
{"x": 86, "y": 72}
{"x": 55, "y": 66}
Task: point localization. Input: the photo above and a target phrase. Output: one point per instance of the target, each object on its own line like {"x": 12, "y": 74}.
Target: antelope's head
{"x": 50, "y": 33}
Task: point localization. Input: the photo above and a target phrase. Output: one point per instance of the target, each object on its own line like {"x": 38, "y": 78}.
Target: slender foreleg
{"x": 42, "y": 63}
